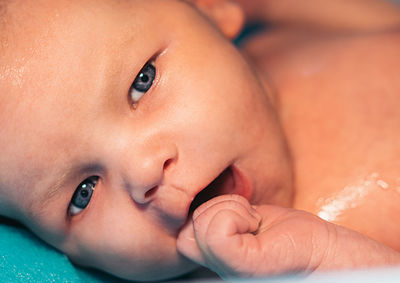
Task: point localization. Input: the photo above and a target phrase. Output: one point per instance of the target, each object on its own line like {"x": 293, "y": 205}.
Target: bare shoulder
{"x": 339, "y": 101}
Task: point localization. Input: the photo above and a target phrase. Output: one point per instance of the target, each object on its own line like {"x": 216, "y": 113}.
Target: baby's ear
{"x": 226, "y": 14}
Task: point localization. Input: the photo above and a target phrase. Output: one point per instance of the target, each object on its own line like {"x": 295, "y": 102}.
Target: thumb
{"x": 187, "y": 244}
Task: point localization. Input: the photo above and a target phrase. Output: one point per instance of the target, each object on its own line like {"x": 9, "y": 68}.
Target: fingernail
{"x": 187, "y": 231}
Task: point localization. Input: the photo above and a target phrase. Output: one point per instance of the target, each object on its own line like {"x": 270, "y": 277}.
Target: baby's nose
{"x": 147, "y": 171}
{"x": 143, "y": 195}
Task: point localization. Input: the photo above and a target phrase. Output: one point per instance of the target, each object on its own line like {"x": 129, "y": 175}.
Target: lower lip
{"x": 242, "y": 184}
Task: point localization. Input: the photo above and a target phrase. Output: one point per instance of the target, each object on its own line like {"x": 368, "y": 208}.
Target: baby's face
{"x": 114, "y": 116}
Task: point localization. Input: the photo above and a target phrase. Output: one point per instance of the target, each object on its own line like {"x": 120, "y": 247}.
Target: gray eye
{"x": 82, "y": 195}
{"x": 142, "y": 82}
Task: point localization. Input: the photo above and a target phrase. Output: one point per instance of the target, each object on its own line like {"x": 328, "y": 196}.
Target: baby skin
{"x": 235, "y": 238}
{"x": 139, "y": 141}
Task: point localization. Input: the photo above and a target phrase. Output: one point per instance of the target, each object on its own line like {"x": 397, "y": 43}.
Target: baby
{"x": 137, "y": 140}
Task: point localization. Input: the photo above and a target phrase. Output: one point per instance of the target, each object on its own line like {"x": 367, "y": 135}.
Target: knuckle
{"x": 234, "y": 205}
{"x": 235, "y": 198}
{"x": 199, "y": 223}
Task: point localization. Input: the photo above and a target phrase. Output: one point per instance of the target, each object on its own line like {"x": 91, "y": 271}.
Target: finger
{"x": 231, "y": 197}
{"x": 227, "y": 223}
{"x": 187, "y": 245}
{"x": 220, "y": 221}
{"x": 202, "y": 219}
{"x": 227, "y": 241}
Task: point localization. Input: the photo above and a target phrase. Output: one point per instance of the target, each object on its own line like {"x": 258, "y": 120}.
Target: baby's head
{"x": 115, "y": 114}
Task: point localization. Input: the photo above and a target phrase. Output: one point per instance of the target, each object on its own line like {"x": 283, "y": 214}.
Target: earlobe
{"x": 226, "y": 14}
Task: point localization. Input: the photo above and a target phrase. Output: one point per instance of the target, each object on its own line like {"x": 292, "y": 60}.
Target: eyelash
{"x": 142, "y": 83}
{"x": 82, "y": 195}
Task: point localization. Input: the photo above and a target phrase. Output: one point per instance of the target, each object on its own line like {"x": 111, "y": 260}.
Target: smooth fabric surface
{"x": 24, "y": 258}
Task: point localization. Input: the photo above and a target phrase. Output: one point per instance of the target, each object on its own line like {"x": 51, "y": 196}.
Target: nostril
{"x": 167, "y": 163}
{"x": 150, "y": 192}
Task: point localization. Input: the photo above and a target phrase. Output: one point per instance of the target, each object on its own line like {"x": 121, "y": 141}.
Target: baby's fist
{"x": 221, "y": 235}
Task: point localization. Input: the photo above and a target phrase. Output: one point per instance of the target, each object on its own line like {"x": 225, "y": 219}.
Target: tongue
{"x": 223, "y": 184}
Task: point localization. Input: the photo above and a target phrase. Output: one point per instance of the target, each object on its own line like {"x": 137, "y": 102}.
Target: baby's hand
{"x": 234, "y": 239}
{"x": 220, "y": 235}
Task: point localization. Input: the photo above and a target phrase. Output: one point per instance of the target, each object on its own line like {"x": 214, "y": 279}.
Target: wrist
{"x": 348, "y": 249}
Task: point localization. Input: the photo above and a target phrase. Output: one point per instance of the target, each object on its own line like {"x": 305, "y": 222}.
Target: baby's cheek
{"x": 127, "y": 253}
{"x": 155, "y": 262}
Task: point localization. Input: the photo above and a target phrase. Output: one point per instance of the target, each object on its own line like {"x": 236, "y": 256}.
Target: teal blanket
{"x": 24, "y": 258}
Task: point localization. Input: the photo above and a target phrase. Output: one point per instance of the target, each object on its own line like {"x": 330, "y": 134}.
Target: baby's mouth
{"x": 230, "y": 181}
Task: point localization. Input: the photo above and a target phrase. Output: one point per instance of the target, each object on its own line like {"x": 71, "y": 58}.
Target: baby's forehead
{"x": 45, "y": 42}
{"x": 65, "y": 44}
{"x": 43, "y": 45}
{"x": 34, "y": 24}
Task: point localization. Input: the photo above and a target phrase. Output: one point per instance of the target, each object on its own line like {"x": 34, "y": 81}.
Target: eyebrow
{"x": 70, "y": 175}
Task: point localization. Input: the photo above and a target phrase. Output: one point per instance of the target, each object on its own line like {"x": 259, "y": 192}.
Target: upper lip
{"x": 230, "y": 181}
{"x": 233, "y": 181}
